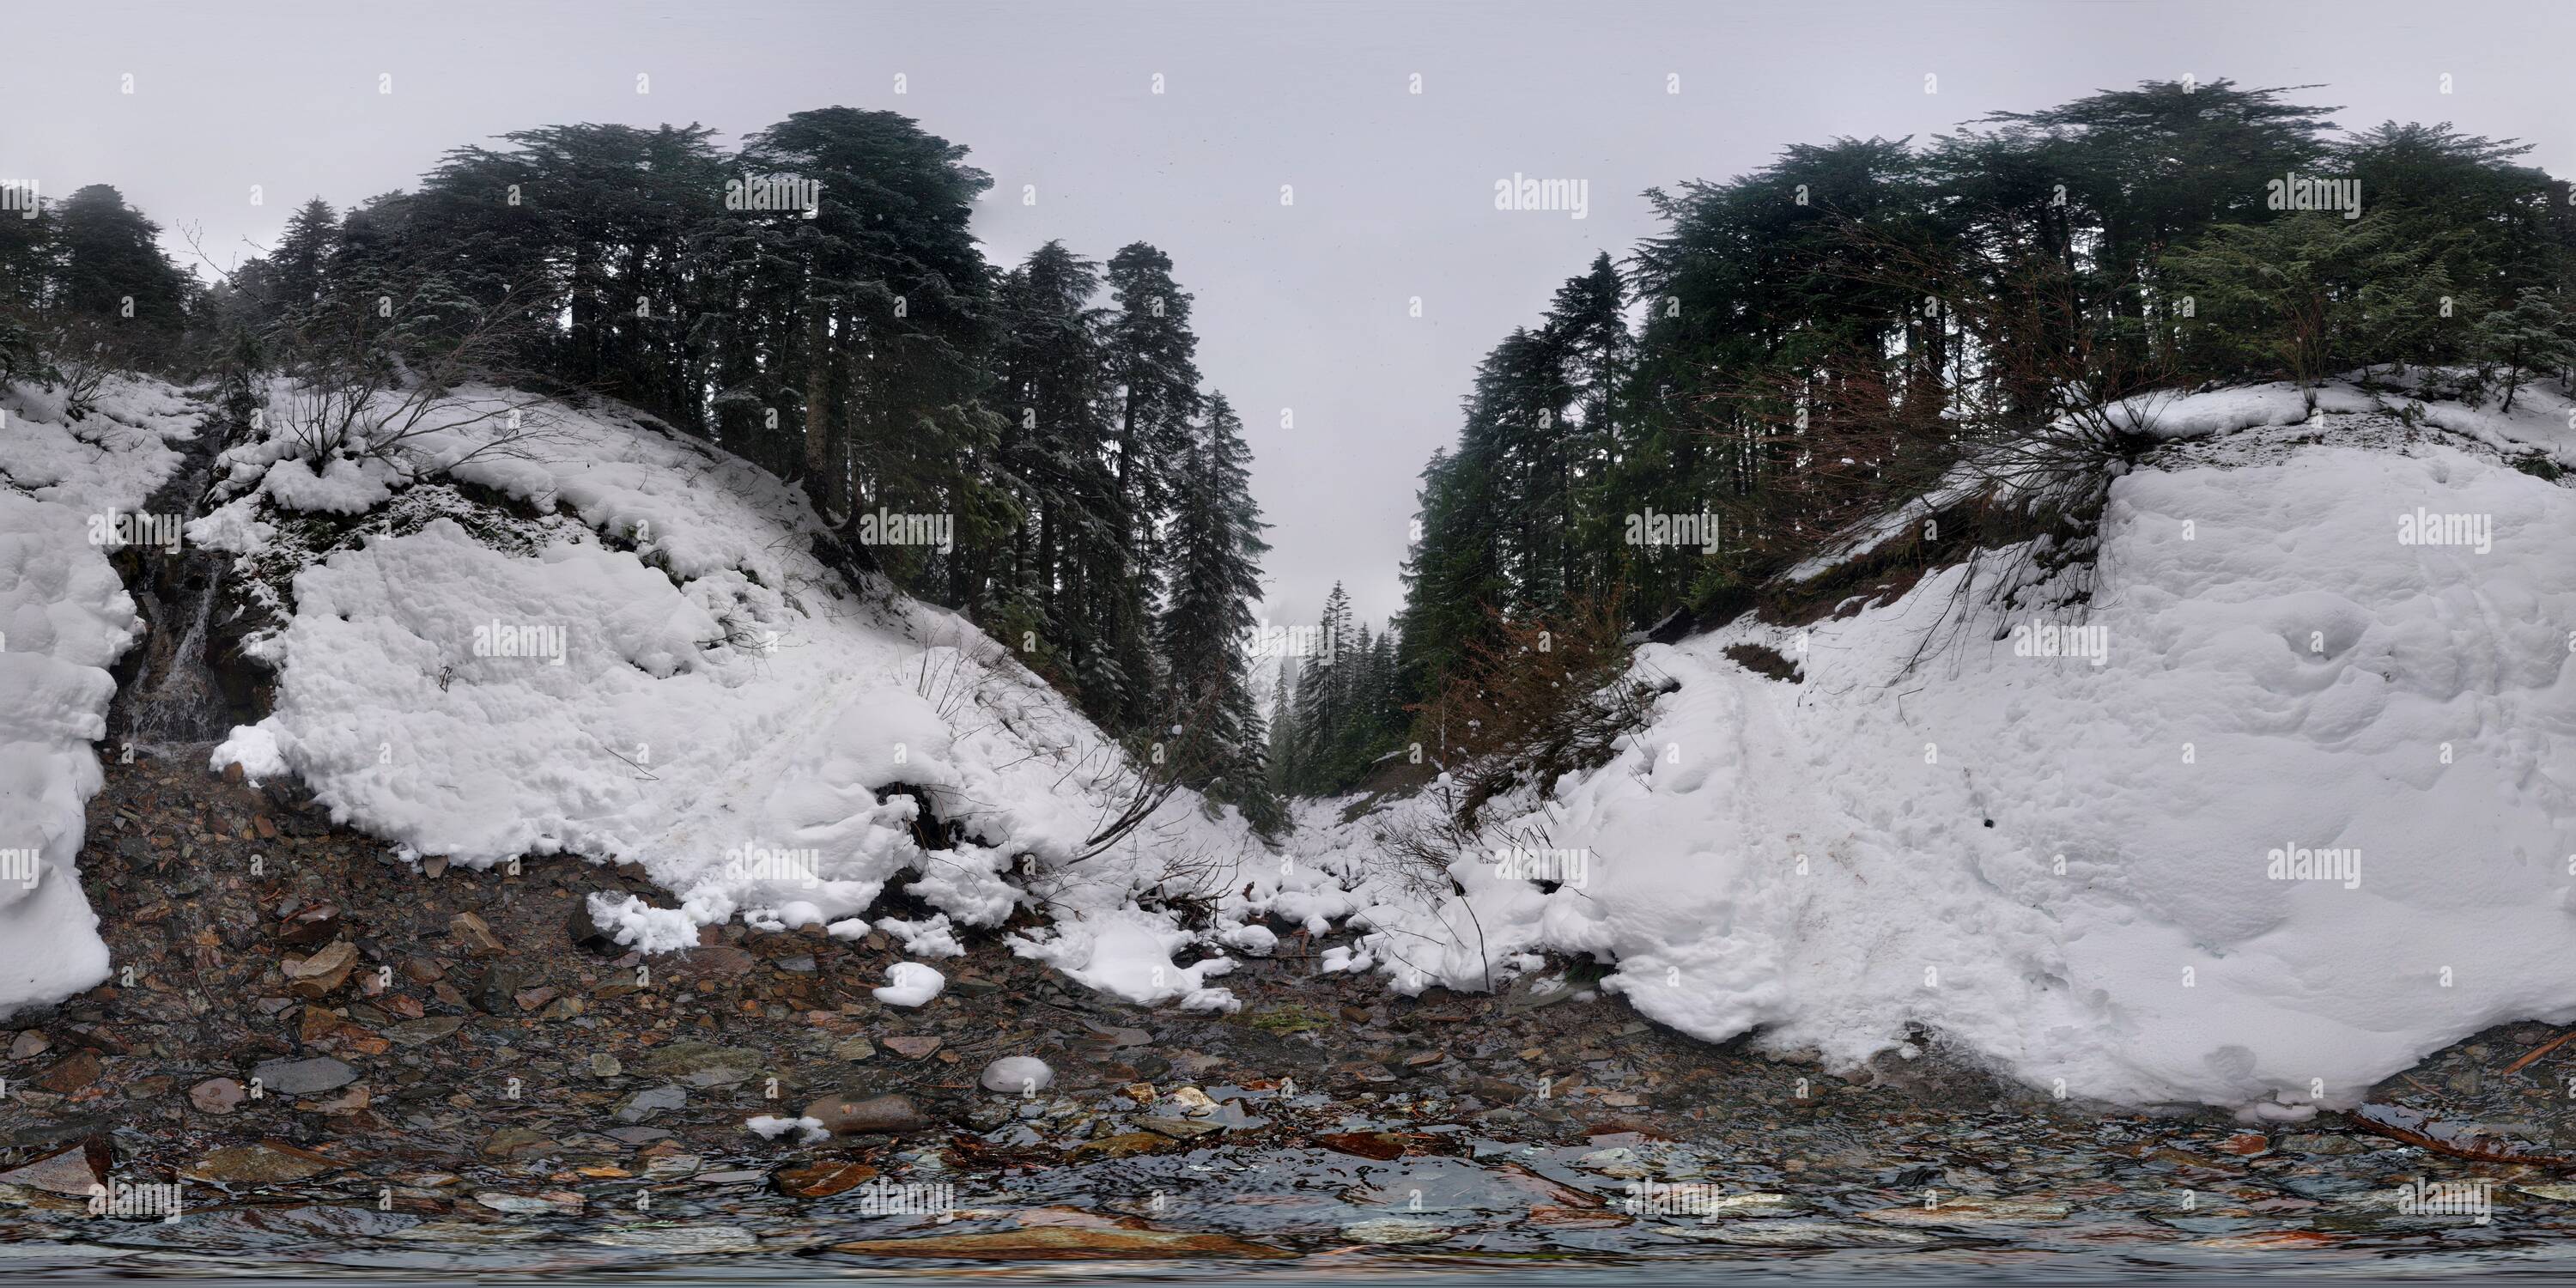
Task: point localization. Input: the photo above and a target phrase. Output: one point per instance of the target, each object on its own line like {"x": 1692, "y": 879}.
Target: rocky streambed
{"x": 314, "y": 1056}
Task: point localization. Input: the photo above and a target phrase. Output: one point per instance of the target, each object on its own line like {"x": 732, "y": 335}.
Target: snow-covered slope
{"x": 649, "y": 664}
{"x": 67, "y": 489}
{"x": 2113, "y": 868}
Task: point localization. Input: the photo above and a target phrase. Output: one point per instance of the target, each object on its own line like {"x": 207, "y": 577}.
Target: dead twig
{"x": 2539, "y": 1051}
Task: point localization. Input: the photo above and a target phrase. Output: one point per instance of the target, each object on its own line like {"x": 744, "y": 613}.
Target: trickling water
{"x": 175, "y": 697}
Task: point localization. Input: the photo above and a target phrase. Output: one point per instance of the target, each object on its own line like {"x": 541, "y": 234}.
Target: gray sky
{"x": 1302, "y": 307}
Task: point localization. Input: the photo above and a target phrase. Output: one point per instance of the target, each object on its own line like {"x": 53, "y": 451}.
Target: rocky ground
{"x": 308, "y": 1034}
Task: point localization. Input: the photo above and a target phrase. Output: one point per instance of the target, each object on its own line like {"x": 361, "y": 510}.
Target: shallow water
{"x": 1499, "y": 1211}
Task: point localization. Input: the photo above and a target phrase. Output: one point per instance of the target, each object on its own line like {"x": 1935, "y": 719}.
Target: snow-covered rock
{"x": 2289, "y": 806}
{"x": 910, "y": 984}
{"x": 64, "y": 619}
{"x": 657, "y": 669}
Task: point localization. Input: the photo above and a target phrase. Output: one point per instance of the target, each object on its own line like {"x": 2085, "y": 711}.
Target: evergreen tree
{"x": 1284, "y": 766}
{"x": 2535, "y": 335}
{"x": 879, "y": 336}
{"x": 1216, "y": 550}
{"x": 112, "y": 283}
{"x": 1323, "y": 695}
{"x": 1154, "y": 377}
{"x": 1055, "y": 453}
{"x": 295, "y": 276}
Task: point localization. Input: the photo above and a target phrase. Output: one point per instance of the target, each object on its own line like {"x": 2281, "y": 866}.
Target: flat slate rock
{"x": 303, "y": 1077}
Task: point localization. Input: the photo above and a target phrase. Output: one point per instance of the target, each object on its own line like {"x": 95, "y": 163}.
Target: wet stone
{"x": 303, "y": 1077}
{"x": 269, "y": 1162}
{"x": 309, "y": 925}
{"x": 888, "y": 1115}
{"x": 510, "y": 1142}
{"x": 496, "y": 990}
{"x": 69, "y": 1171}
{"x": 644, "y": 1106}
{"x": 216, "y": 1095}
{"x": 474, "y": 936}
{"x": 69, "y": 1074}
{"x": 693, "y": 1240}
{"x": 587, "y": 934}
{"x": 420, "y": 1032}
{"x": 703, "y": 1064}
{"x": 822, "y": 1180}
{"x": 1180, "y": 1128}
{"x": 1394, "y": 1231}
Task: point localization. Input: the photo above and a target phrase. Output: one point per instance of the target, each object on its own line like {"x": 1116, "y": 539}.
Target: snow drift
{"x": 69, "y": 490}
{"x": 2291, "y": 804}
{"x": 637, "y": 657}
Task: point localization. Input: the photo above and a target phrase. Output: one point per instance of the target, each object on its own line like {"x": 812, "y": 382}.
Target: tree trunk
{"x": 818, "y": 403}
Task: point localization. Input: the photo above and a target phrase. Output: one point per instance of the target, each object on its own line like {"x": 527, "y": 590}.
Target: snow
{"x": 928, "y": 937}
{"x": 1128, "y": 953}
{"x": 64, "y": 619}
{"x": 767, "y": 1127}
{"x": 656, "y": 669}
{"x": 343, "y": 487}
{"x": 910, "y": 984}
{"x": 2056, "y": 859}
{"x": 2280, "y": 672}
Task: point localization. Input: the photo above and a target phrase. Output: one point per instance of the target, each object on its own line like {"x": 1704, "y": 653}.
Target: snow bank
{"x": 2293, "y": 805}
{"x": 64, "y": 619}
{"x": 657, "y": 670}
{"x": 910, "y": 984}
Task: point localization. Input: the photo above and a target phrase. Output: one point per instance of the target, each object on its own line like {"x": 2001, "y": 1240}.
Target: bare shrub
{"x": 1546, "y": 696}
{"x": 372, "y": 377}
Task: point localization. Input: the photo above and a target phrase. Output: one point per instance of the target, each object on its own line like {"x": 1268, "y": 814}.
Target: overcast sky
{"x": 1304, "y": 308}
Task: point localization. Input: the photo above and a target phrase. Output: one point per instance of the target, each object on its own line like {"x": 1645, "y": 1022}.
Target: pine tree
{"x": 112, "y": 282}
{"x": 879, "y": 331}
{"x": 1284, "y": 765}
{"x": 1589, "y": 325}
{"x": 1216, "y": 550}
{"x": 1323, "y": 695}
{"x": 2533, "y": 335}
{"x": 296, "y": 275}
{"x": 1154, "y": 377}
{"x": 1055, "y": 452}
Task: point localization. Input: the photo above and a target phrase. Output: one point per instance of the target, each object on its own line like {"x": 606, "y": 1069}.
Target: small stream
{"x": 175, "y": 696}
